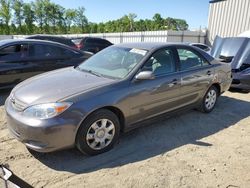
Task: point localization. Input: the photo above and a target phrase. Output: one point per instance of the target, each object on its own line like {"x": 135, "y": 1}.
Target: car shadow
{"x": 235, "y": 90}
{"x": 157, "y": 139}
{"x": 3, "y": 96}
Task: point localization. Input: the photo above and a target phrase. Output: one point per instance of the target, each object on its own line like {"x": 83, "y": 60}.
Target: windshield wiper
{"x": 90, "y": 71}
{"x": 94, "y": 73}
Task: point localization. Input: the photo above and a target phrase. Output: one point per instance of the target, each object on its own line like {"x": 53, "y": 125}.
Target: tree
{"x": 45, "y": 16}
{"x": 181, "y": 24}
{"x": 28, "y": 15}
{"x": 5, "y": 14}
{"x": 18, "y": 13}
{"x": 158, "y": 22}
{"x": 70, "y": 16}
{"x": 171, "y": 24}
{"x": 80, "y": 18}
{"x": 131, "y": 17}
{"x": 38, "y": 7}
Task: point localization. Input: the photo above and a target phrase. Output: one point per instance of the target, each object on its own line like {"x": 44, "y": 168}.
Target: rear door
{"x": 49, "y": 57}
{"x": 159, "y": 95}
{"x": 14, "y": 64}
{"x": 196, "y": 74}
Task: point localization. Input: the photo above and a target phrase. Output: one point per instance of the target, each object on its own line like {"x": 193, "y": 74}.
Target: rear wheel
{"x": 209, "y": 100}
{"x": 99, "y": 132}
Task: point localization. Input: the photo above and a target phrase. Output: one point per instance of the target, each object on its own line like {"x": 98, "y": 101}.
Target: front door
{"x": 152, "y": 97}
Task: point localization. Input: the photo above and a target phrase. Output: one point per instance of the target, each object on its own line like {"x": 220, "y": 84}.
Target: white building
{"x": 228, "y": 18}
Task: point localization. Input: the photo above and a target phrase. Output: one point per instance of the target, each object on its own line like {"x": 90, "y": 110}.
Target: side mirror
{"x": 226, "y": 59}
{"x": 145, "y": 75}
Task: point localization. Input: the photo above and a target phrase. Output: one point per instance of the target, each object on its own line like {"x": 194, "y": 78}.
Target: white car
{"x": 202, "y": 46}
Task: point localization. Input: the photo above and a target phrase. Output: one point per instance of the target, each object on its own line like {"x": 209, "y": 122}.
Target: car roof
{"x": 87, "y": 38}
{"x": 150, "y": 45}
{"x": 50, "y": 36}
{"x": 17, "y": 41}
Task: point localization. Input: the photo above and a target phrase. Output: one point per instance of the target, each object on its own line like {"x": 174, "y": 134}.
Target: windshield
{"x": 113, "y": 62}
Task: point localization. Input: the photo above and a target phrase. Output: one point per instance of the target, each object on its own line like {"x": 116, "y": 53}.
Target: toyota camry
{"x": 89, "y": 105}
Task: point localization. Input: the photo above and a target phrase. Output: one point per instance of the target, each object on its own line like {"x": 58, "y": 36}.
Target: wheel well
{"x": 119, "y": 114}
{"x": 113, "y": 109}
{"x": 217, "y": 87}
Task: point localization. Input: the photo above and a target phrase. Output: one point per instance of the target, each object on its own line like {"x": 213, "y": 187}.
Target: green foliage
{"x": 44, "y": 16}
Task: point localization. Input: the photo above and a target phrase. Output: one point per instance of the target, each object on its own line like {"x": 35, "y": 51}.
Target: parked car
{"x": 204, "y": 47}
{"x": 21, "y": 59}
{"x": 113, "y": 91}
{"x": 236, "y": 52}
{"x": 91, "y": 44}
{"x": 53, "y": 38}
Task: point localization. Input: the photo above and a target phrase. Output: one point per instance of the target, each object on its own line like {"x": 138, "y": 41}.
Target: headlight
{"x": 46, "y": 111}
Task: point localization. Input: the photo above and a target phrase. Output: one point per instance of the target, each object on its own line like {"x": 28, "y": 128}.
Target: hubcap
{"x": 100, "y": 134}
{"x": 210, "y": 99}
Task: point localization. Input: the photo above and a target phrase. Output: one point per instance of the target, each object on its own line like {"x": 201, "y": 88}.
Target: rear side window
{"x": 190, "y": 59}
{"x": 45, "y": 51}
{"x": 14, "y": 52}
{"x": 90, "y": 40}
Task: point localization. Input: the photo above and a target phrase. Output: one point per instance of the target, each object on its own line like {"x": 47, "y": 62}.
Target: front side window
{"x": 113, "y": 62}
{"x": 162, "y": 62}
{"x": 190, "y": 59}
{"x": 14, "y": 52}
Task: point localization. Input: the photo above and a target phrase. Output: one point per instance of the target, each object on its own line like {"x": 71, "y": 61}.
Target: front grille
{"x": 17, "y": 104}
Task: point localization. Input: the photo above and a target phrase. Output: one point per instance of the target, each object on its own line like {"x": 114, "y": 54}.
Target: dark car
{"x": 53, "y": 38}
{"x": 21, "y": 59}
{"x": 113, "y": 91}
{"x": 91, "y": 44}
{"x": 236, "y": 52}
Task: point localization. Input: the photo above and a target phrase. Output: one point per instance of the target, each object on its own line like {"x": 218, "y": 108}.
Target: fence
{"x": 145, "y": 36}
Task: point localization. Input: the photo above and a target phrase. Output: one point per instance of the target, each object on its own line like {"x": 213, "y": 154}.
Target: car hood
{"x": 236, "y": 47}
{"x": 56, "y": 85}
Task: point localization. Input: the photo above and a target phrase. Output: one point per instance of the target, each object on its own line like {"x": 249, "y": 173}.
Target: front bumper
{"x": 43, "y": 135}
{"x": 241, "y": 81}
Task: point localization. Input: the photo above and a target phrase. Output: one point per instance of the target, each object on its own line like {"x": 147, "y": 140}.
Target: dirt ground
{"x": 189, "y": 150}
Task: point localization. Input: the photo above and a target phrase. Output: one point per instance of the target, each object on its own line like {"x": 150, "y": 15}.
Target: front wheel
{"x": 99, "y": 132}
{"x": 209, "y": 100}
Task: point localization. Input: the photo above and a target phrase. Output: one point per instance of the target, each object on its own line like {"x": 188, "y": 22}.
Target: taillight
{"x": 79, "y": 46}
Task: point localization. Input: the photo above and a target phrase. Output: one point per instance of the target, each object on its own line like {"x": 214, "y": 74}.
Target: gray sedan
{"x": 114, "y": 91}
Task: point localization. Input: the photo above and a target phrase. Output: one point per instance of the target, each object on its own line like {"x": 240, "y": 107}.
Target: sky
{"x": 195, "y": 12}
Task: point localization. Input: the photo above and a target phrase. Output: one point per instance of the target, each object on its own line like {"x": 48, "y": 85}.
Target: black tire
{"x": 203, "y": 107}
{"x": 81, "y": 138}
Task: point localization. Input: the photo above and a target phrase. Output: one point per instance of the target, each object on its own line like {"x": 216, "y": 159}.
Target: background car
{"x": 53, "y": 38}
{"x": 91, "y": 44}
{"x": 202, "y": 46}
{"x": 21, "y": 59}
{"x": 236, "y": 52}
{"x": 115, "y": 90}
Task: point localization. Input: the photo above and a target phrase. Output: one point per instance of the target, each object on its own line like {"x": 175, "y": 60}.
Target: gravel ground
{"x": 189, "y": 150}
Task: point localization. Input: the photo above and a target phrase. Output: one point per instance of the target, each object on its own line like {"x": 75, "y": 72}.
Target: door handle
{"x": 209, "y": 73}
{"x": 173, "y": 83}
